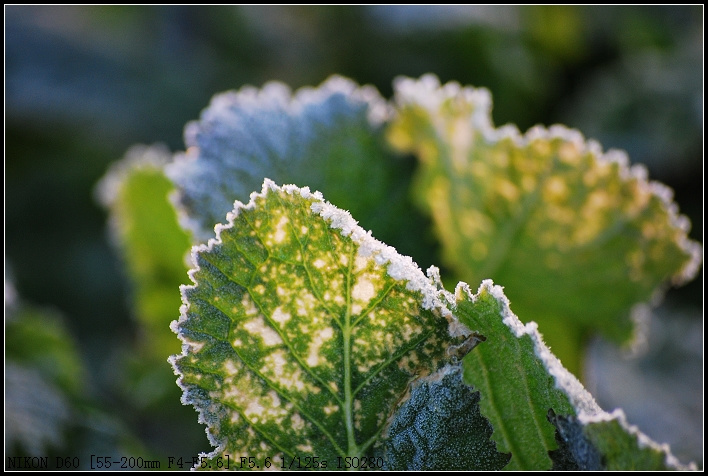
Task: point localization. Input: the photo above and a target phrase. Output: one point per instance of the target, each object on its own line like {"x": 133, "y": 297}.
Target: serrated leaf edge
{"x": 271, "y": 93}
{"x": 399, "y": 267}
{"x": 587, "y": 409}
{"x": 430, "y": 94}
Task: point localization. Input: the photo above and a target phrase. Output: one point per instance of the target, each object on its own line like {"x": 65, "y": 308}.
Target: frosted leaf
{"x": 295, "y": 343}
{"x": 527, "y": 395}
{"x": 439, "y": 427}
{"x": 138, "y": 157}
{"x": 516, "y": 388}
{"x": 328, "y": 137}
{"x": 546, "y": 213}
{"x": 575, "y": 451}
{"x": 304, "y": 336}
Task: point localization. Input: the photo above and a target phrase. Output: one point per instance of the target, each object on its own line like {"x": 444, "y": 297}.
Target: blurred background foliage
{"x": 83, "y": 84}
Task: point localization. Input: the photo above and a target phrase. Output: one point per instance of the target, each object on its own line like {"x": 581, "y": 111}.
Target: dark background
{"x": 83, "y": 84}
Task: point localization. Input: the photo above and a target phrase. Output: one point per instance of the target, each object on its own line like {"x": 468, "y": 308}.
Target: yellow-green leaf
{"x": 575, "y": 235}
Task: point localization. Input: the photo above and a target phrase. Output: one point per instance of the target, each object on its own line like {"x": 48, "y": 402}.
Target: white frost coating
{"x": 245, "y": 135}
{"x": 587, "y": 409}
{"x": 399, "y": 267}
{"x": 644, "y": 441}
{"x": 427, "y": 92}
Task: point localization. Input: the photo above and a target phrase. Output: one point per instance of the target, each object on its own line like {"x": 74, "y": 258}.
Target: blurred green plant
{"x": 51, "y": 410}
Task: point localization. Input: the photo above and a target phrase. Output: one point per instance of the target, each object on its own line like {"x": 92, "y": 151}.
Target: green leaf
{"x": 527, "y": 395}
{"x": 517, "y": 390}
{"x": 303, "y": 337}
{"x": 624, "y": 447}
{"x": 145, "y": 229}
{"x": 547, "y": 214}
{"x": 302, "y": 332}
{"x": 608, "y": 442}
{"x": 329, "y": 137}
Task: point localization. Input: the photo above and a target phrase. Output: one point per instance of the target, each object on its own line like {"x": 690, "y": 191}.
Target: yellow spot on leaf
{"x": 507, "y": 190}
{"x": 555, "y": 189}
{"x": 360, "y": 263}
{"x": 254, "y": 409}
{"x": 280, "y": 316}
{"x": 249, "y": 306}
{"x": 314, "y": 359}
{"x": 280, "y": 230}
{"x": 259, "y": 328}
{"x": 363, "y": 291}
{"x": 569, "y": 153}
{"x": 297, "y": 422}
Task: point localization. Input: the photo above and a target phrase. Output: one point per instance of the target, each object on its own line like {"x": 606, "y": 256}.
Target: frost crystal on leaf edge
{"x": 430, "y": 94}
{"x": 401, "y": 268}
{"x": 588, "y": 411}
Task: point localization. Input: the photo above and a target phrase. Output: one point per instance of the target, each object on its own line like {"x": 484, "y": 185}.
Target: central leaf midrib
{"x": 501, "y": 430}
{"x": 396, "y": 357}
{"x": 346, "y": 327}
{"x": 502, "y": 427}
{"x": 352, "y": 448}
